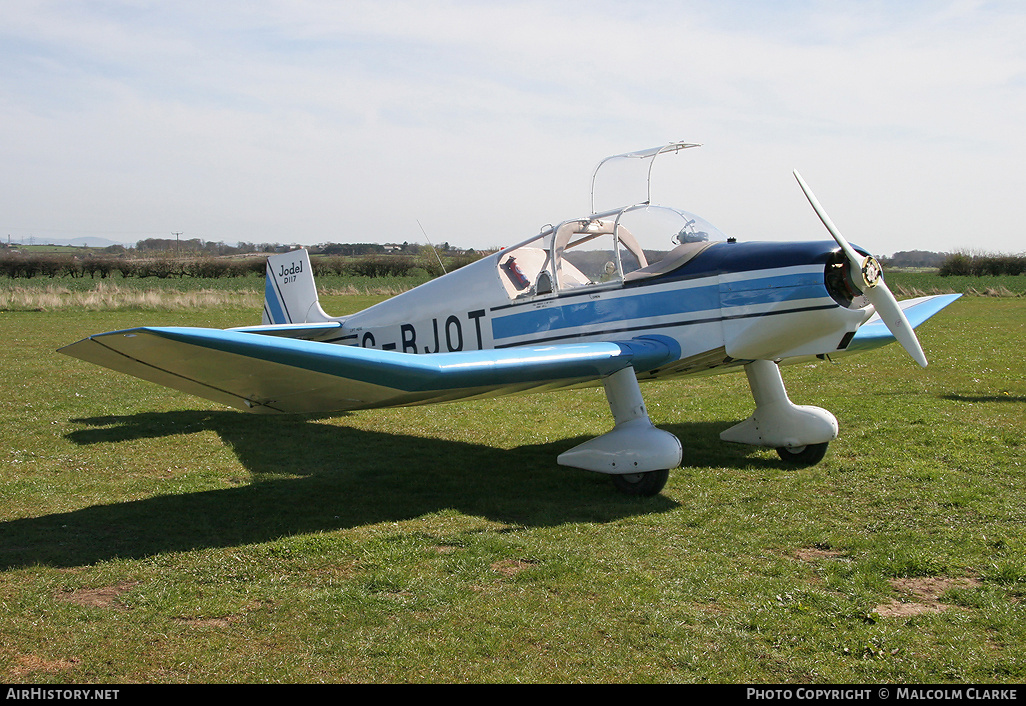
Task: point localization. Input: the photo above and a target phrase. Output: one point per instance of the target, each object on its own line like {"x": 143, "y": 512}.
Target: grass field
{"x": 147, "y": 536}
{"x": 914, "y": 283}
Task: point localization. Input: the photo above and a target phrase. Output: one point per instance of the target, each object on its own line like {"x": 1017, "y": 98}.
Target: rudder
{"x": 290, "y": 295}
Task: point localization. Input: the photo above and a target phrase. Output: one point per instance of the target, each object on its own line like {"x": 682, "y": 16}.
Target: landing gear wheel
{"x": 803, "y": 455}
{"x": 641, "y": 484}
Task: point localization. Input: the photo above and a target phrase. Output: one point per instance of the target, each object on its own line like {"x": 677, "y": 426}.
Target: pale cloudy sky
{"x": 313, "y": 121}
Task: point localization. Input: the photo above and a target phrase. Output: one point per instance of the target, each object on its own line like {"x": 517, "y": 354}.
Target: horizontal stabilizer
{"x": 322, "y": 331}
{"x": 272, "y": 374}
{"x": 874, "y": 333}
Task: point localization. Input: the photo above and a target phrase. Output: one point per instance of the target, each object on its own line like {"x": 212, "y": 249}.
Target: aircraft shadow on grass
{"x": 309, "y": 476}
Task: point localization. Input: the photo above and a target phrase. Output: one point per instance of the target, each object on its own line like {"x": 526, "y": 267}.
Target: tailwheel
{"x": 808, "y": 455}
{"x": 641, "y": 484}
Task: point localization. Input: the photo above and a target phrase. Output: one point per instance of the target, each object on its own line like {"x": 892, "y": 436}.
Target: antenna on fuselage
{"x": 437, "y": 257}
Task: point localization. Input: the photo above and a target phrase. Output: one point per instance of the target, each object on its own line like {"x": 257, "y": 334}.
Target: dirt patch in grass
{"x": 104, "y": 597}
{"x": 511, "y": 567}
{"x": 921, "y": 595}
{"x": 917, "y": 595}
{"x": 30, "y": 664}
{"x": 814, "y": 553}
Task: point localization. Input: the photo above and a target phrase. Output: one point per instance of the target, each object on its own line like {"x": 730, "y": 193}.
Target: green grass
{"x": 929, "y": 282}
{"x": 147, "y": 536}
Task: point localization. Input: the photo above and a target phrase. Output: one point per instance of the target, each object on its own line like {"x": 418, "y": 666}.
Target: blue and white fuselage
{"x": 613, "y": 298}
{"x": 730, "y": 303}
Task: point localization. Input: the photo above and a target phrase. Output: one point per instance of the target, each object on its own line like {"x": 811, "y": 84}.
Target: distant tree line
{"x": 915, "y": 258}
{"x": 194, "y": 246}
{"x": 405, "y": 248}
{"x": 959, "y": 263}
{"x": 350, "y": 249}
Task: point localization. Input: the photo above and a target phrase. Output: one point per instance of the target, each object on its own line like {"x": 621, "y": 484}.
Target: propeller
{"x": 867, "y": 270}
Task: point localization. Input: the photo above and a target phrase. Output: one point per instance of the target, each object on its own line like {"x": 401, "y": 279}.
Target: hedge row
{"x": 26, "y": 266}
{"x": 387, "y": 265}
{"x": 982, "y": 265}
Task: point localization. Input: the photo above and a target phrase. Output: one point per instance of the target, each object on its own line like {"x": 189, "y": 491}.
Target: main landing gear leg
{"x": 636, "y": 454}
{"x": 799, "y": 433}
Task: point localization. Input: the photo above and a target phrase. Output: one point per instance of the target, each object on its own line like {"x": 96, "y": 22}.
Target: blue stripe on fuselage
{"x": 607, "y": 310}
{"x": 778, "y": 288}
{"x": 668, "y": 302}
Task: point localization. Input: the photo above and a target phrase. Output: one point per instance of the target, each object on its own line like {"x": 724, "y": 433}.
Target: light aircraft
{"x": 635, "y": 293}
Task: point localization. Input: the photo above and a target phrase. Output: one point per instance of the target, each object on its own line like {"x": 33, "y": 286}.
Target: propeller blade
{"x": 873, "y": 285}
{"x": 897, "y": 323}
{"x": 853, "y": 256}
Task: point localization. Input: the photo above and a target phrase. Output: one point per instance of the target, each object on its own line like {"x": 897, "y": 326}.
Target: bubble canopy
{"x": 610, "y": 248}
{"x": 605, "y": 249}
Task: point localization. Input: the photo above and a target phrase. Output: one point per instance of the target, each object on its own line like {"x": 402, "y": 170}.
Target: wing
{"x": 261, "y": 373}
{"x": 874, "y": 333}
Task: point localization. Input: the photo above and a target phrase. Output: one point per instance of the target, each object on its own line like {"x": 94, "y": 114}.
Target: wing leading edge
{"x": 874, "y": 333}
{"x": 269, "y": 374}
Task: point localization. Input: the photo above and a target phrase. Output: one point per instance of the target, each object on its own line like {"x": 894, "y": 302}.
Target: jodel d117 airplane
{"x": 636, "y": 293}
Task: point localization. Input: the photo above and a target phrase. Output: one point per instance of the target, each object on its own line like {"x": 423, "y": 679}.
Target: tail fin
{"x": 290, "y": 296}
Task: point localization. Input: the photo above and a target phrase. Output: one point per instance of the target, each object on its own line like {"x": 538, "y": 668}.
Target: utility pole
{"x": 176, "y": 242}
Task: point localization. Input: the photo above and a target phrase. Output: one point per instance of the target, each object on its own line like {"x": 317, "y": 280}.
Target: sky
{"x": 478, "y": 123}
